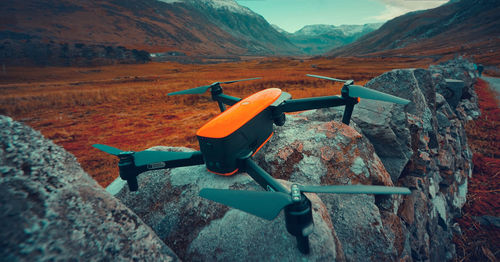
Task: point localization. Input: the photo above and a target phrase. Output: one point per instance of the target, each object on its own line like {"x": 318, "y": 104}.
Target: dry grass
{"x": 126, "y": 105}
{"x": 479, "y": 242}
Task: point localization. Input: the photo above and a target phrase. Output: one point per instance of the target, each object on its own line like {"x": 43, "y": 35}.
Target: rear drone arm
{"x": 132, "y": 163}
{"x": 129, "y": 170}
{"x": 294, "y": 105}
{"x": 302, "y": 104}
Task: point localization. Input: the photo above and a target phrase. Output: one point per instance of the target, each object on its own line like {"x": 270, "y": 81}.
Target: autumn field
{"x": 126, "y": 106}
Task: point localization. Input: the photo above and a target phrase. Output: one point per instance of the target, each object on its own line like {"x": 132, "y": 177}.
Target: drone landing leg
{"x": 299, "y": 222}
{"x": 222, "y": 107}
{"x": 303, "y": 244}
{"x": 346, "y": 118}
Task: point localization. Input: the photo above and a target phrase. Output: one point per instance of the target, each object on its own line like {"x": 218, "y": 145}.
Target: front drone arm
{"x": 260, "y": 176}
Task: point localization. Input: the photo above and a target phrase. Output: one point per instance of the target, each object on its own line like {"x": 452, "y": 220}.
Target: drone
{"x": 230, "y": 140}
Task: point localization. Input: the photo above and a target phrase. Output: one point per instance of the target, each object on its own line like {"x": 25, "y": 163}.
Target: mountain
{"x": 318, "y": 39}
{"x": 201, "y": 27}
{"x": 251, "y": 30}
{"x": 470, "y": 27}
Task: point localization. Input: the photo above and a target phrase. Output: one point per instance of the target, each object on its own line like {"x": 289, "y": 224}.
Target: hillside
{"x": 468, "y": 27}
{"x": 192, "y": 27}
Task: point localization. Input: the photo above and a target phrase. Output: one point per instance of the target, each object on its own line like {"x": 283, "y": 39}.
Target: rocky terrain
{"x": 421, "y": 146}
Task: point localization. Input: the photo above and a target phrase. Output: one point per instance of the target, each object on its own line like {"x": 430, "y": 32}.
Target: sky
{"x": 291, "y": 15}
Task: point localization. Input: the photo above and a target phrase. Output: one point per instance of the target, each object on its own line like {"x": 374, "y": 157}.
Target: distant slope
{"x": 470, "y": 27}
{"x": 318, "y": 39}
{"x": 208, "y": 27}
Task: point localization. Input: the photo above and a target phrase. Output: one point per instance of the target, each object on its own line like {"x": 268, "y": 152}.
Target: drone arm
{"x": 195, "y": 159}
{"x": 129, "y": 171}
{"x": 228, "y": 100}
{"x": 265, "y": 180}
{"x": 302, "y": 104}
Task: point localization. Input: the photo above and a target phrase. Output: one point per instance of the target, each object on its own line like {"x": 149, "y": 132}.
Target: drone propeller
{"x": 356, "y": 189}
{"x": 268, "y": 205}
{"x": 143, "y": 158}
{"x": 327, "y": 78}
{"x": 203, "y": 89}
{"x": 367, "y": 93}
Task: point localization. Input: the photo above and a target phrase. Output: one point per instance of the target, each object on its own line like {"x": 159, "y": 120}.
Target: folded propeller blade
{"x": 240, "y": 80}
{"x": 327, "y": 78}
{"x": 192, "y": 91}
{"x": 143, "y": 158}
{"x": 147, "y": 157}
{"x": 108, "y": 149}
{"x": 367, "y": 93}
{"x": 356, "y": 189}
{"x": 266, "y": 205}
{"x": 203, "y": 89}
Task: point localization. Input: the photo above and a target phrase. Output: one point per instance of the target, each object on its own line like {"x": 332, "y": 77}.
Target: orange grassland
{"x": 126, "y": 106}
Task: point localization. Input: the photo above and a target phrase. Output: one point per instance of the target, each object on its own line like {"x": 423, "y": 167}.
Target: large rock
{"x": 51, "y": 210}
{"x": 202, "y": 230}
{"x": 310, "y": 151}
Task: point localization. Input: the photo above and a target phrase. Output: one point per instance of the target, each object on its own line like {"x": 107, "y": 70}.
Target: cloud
{"x": 394, "y": 8}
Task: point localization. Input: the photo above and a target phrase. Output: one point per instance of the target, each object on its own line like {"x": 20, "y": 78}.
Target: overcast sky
{"x": 292, "y": 15}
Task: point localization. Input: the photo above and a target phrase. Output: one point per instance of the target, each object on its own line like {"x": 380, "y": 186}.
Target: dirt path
{"x": 494, "y": 83}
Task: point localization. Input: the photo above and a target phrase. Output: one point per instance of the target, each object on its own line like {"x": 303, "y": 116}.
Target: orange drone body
{"x": 240, "y": 130}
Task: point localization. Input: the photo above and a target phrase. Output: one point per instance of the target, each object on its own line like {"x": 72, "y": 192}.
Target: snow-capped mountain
{"x": 229, "y": 5}
{"x": 318, "y": 39}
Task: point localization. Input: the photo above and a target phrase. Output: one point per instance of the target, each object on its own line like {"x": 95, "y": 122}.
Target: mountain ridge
{"x": 191, "y": 27}
{"x": 470, "y": 27}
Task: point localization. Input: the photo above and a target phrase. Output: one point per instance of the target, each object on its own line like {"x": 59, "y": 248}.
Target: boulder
{"x": 308, "y": 150}
{"x": 51, "y": 210}
{"x": 201, "y": 230}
